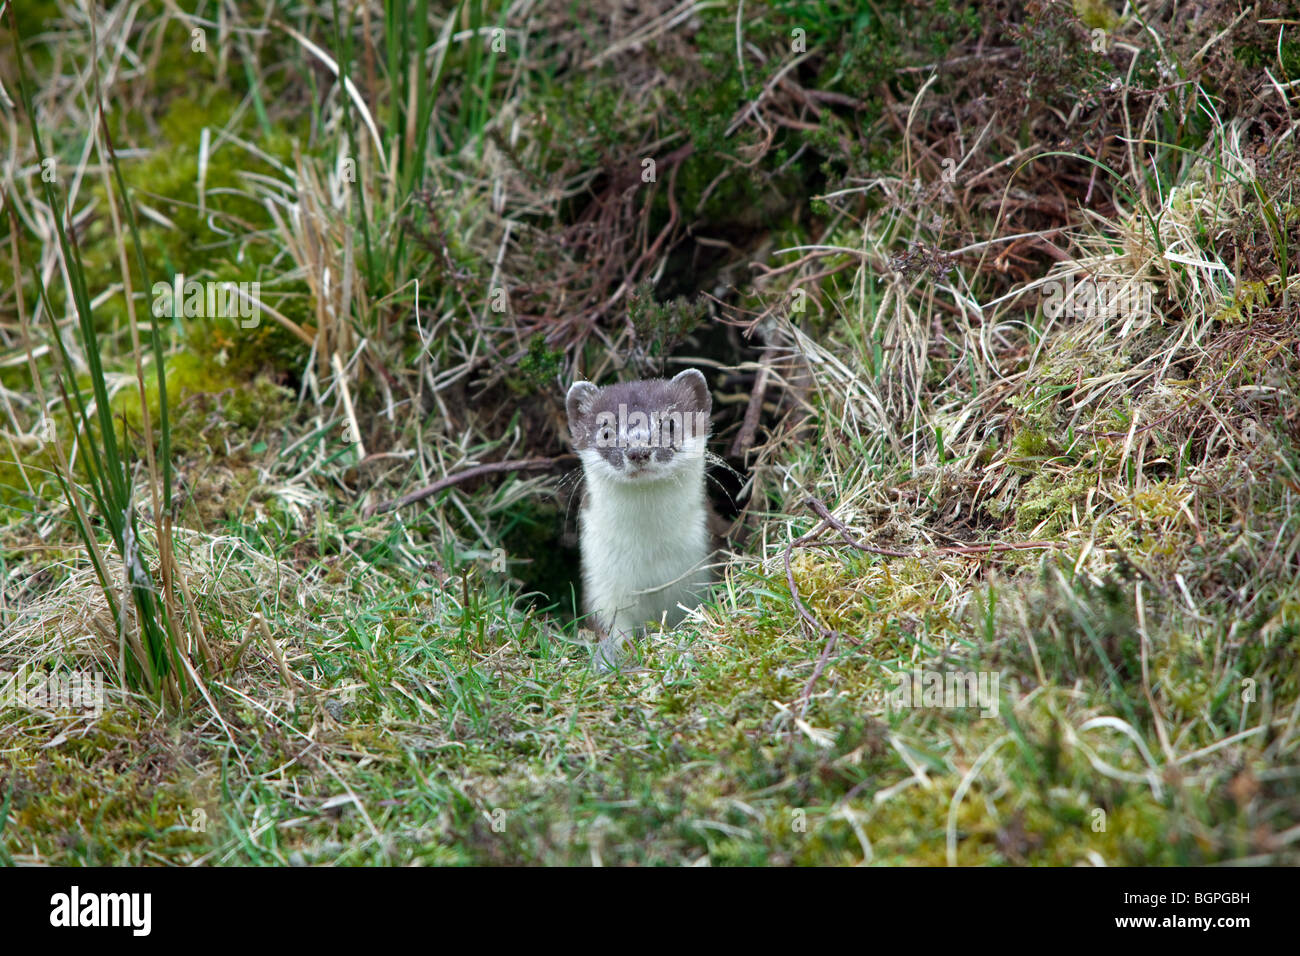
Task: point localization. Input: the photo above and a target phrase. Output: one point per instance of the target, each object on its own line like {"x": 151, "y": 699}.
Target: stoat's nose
{"x": 638, "y": 455}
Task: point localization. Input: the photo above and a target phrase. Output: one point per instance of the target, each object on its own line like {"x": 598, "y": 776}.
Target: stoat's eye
{"x": 605, "y": 437}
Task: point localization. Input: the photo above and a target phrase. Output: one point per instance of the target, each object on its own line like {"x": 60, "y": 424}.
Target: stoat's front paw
{"x": 610, "y": 654}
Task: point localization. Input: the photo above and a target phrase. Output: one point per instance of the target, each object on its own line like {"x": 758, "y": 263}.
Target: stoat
{"x": 645, "y": 522}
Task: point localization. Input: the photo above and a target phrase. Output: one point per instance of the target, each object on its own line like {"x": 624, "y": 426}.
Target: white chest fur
{"x": 645, "y": 549}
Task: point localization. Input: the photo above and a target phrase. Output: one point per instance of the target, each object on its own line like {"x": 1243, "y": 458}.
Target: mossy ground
{"x": 411, "y": 686}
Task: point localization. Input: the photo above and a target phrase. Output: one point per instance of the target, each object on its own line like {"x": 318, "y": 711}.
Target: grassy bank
{"x": 998, "y": 304}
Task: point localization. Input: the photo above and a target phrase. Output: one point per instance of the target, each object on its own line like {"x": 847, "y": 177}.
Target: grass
{"x": 1046, "y": 391}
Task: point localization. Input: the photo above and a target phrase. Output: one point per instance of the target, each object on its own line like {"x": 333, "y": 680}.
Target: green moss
{"x": 1096, "y": 14}
{"x": 243, "y": 405}
{"x": 1049, "y": 498}
{"x": 92, "y": 801}
{"x": 1029, "y": 449}
{"x": 1264, "y": 56}
{"x": 1248, "y": 298}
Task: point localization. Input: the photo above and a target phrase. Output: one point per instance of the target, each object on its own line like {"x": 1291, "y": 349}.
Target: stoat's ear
{"x": 693, "y": 380}
{"x": 578, "y": 401}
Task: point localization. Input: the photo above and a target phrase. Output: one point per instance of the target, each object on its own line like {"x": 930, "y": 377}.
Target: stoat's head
{"x": 641, "y": 431}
